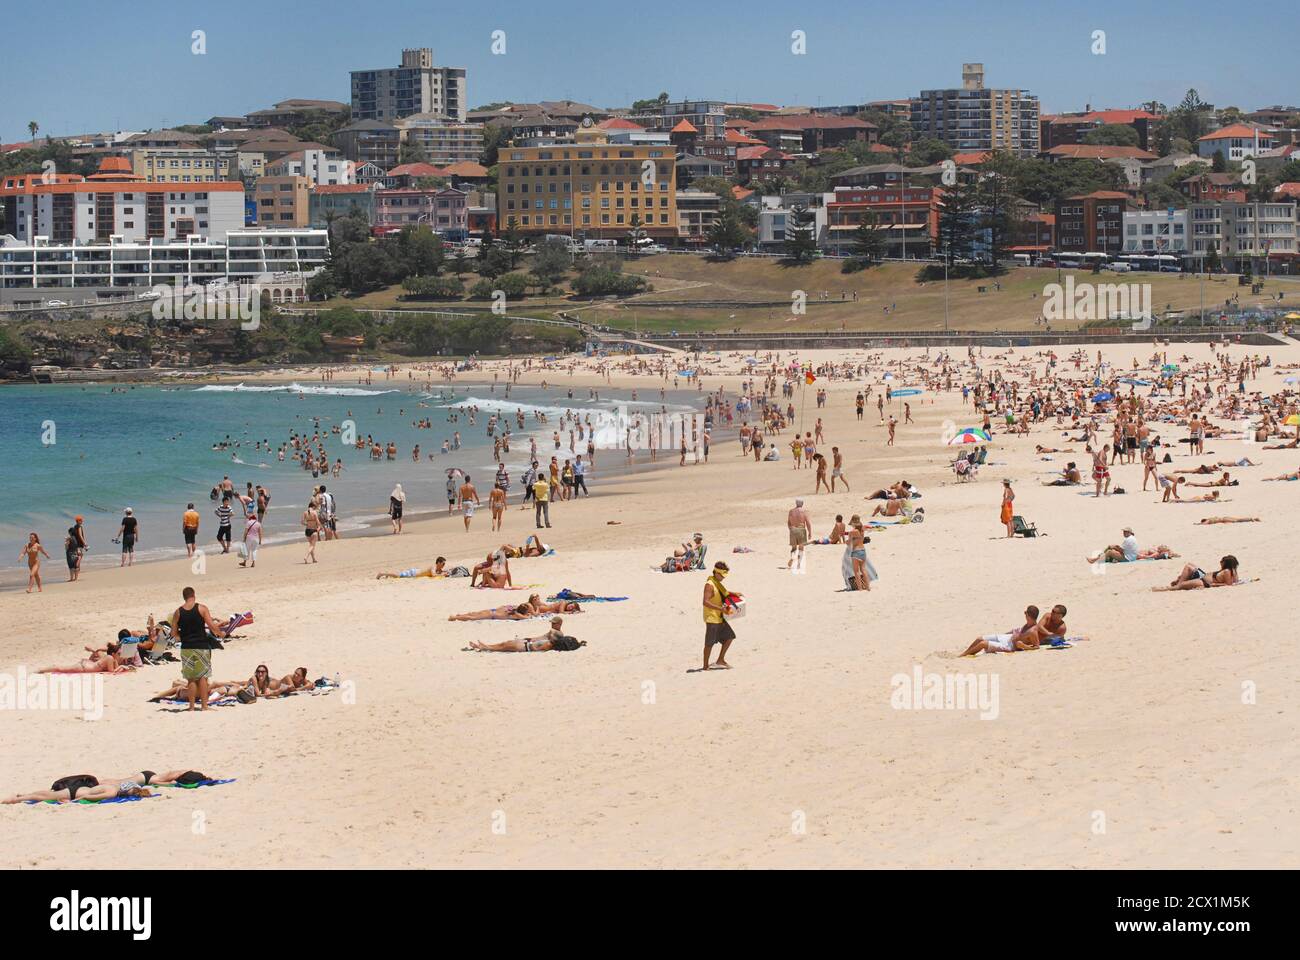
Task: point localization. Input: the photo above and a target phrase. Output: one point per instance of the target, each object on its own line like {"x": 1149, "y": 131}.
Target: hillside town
{"x": 973, "y": 172}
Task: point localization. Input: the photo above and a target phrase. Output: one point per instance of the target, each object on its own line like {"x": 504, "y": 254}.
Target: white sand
{"x": 1132, "y": 749}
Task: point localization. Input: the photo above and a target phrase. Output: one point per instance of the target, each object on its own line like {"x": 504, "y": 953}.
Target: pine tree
{"x": 801, "y": 235}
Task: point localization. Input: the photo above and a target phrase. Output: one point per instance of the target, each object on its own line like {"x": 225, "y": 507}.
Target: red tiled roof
{"x": 971, "y": 159}
{"x": 415, "y": 170}
{"x": 1291, "y": 190}
{"x": 618, "y": 123}
{"x": 1085, "y": 151}
{"x": 1101, "y": 195}
{"x": 685, "y": 126}
{"x": 1237, "y": 130}
{"x": 760, "y": 153}
{"x": 734, "y": 136}
{"x": 740, "y": 193}
{"x": 464, "y": 168}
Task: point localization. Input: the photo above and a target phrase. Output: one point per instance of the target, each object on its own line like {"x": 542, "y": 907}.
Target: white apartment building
{"x": 1244, "y": 234}
{"x": 67, "y": 213}
{"x": 119, "y": 264}
{"x": 444, "y": 141}
{"x": 324, "y": 168}
{"x": 417, "y": 86}
{"x": 1236, "y": 142}
{"x": 1157, "y": 231}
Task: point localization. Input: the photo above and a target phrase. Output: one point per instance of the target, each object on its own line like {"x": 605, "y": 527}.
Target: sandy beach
{"x": 1165, "y": 739}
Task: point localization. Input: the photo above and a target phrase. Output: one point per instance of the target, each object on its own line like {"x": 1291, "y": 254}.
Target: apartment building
{"x": 180, "y": 164}
{"x": 119, "y": 264}
{"x": 1092, "y": 223}
{"x": 114, "y": 201}
{"x": 697, "y": 212}
{"x": 283, "y": 201}
{"x": 444, "y": 141}
{"x": 321, "y": 167}
{"x": 1213, "y": 188}
{"x": 708, "y": 117}
{"x": 590, "y": 190}
{"x": 1064, "y": 129}
{"x": 761, "y": 163}
{"x": 1157, "y": 231}
{"x": 909, "y": 218}
{"x": 326, "y": 203}
{"x": 416, "y": 86}
{"x": 1236, "y": 142}
{"x": 812, "y": 132}
{"x": 443, "y": 209}
{"x": 1249, "y": 237}
{"x": 776, "y": 216}
{"x": 369, "y": 141}
{"x": 976, "y": 118}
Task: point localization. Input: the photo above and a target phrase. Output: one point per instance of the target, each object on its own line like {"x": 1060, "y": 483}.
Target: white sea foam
{"x": 293, "y": 388}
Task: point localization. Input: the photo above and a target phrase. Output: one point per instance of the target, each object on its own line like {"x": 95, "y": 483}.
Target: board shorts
{"x": 718, "y": 633}
{"x": 190, "y": 534}
{"x": 223, "y": 533}
{"x": 469, "y": 509}
{"x": 798, "y": 536}
{"x": 196, "y": 664}
{"x": 1000, "y": 643}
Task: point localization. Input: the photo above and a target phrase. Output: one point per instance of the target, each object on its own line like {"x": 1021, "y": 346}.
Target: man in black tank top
{"x": 191, "y": 623}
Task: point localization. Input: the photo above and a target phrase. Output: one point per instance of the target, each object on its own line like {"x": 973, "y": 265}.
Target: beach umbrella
{"x": 970, "y": 435}
{"x": 1292, "y": 421}
{"x": 1169, "y": 368}
{"x": 1292, "y": 316}
{"x": 1134, "y": 381}
{"x": 908, "y": 392}
{"x": 1290, "y": 379}
{"x": 1103, "y": 397}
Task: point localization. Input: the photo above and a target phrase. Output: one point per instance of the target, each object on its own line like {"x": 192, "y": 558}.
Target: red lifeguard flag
{"x": 809, "y": 378}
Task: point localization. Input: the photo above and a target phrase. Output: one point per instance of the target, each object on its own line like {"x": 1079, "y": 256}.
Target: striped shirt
{"x": 223, "y": 515}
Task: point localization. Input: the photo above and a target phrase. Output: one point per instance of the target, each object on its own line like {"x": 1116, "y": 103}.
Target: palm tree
{"x": 32, "y": 127}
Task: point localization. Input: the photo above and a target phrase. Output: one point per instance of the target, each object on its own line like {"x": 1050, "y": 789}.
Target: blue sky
{"x": 97, "y": 66}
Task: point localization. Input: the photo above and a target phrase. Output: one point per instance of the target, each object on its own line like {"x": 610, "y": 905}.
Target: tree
{"x": 635, "y": 232}
{"x": 1219, "y": 163}
{"x": 512, "y": 242}
{"x": 801, "y": 235}
{"x": 419, "y": 251}
{"x": 460, "y": 262}
{"x": 411, "y": 151}
{"x": 1212, "y": 262}
{"x": 551, "y": 261}
{"x": 925, "y": 153}
{"x": 869, "y": 244}
{"x": 1113, "y": 135}
{"x": 958, "y": 217}
{"x": 32, "y": 127}
{"x": 995, "y": 197}
{"x": 493, "y": 262}
{"x": 725, "y": 234}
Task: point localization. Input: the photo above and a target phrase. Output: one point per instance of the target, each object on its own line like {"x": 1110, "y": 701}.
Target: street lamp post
{"x": 945, "y": 288}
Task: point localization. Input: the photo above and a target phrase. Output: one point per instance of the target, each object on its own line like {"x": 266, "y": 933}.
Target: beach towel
{"x": 239, "y": 620}
{"x": 194, "y": 786}
{"x": 92, "y": 803}
{"x": 567, "y": 594}
{"x": 219, "y": 702}
{"x": 846, "y": 569}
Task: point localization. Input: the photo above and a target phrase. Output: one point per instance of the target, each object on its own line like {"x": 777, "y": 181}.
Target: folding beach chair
{"x": 1022, "y": 529}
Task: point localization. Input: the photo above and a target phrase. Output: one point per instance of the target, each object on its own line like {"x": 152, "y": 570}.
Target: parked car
{"x": 56, "y": 303}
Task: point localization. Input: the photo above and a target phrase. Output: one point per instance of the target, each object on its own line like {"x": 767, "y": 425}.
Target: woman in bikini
{"x": 521, "y": 612}
{"x": 856, "y": 542}
{"x": 311, "y": 527}
{"x": 553, "y": 639}
{"x": 108, "y": 663}
{"x": 32, "y": 553}
{"x": 1193, "y": 577}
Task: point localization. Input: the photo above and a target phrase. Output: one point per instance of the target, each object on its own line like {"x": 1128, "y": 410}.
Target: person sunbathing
{"x": 1042, "y": 449}
{"x": 146, "y": 778}
{"x": 1208, "y": 521}
{"x": 1024, "y": 637}
{"x": 216, "y": 690}
{"x": 519, "y": 612}
{"x": 82, "y": 788}
{"x": 891, "y": 508}
{"x": 1295, "y": 475}
{"x": 1223, "y": 481}
{"x": 1243, "y": 462}
{"x": 553, "y": 639}
{"x": 533, "y": 547}
{"x": 538, "y": 605}
{"x": 496, "y": 575}
{"x": 1193, "y": 577}
{"x": 439, "y": 569}
{"x": 1211, "y": 497}
{"x": 1203, "y": 468}
{"x": 898, "y": 491}
{"x": 295, "y": 682}
{"x": 1070, "y": 477}
{"x": 101, "y": 660}
{"x": 1283, "y": 446}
